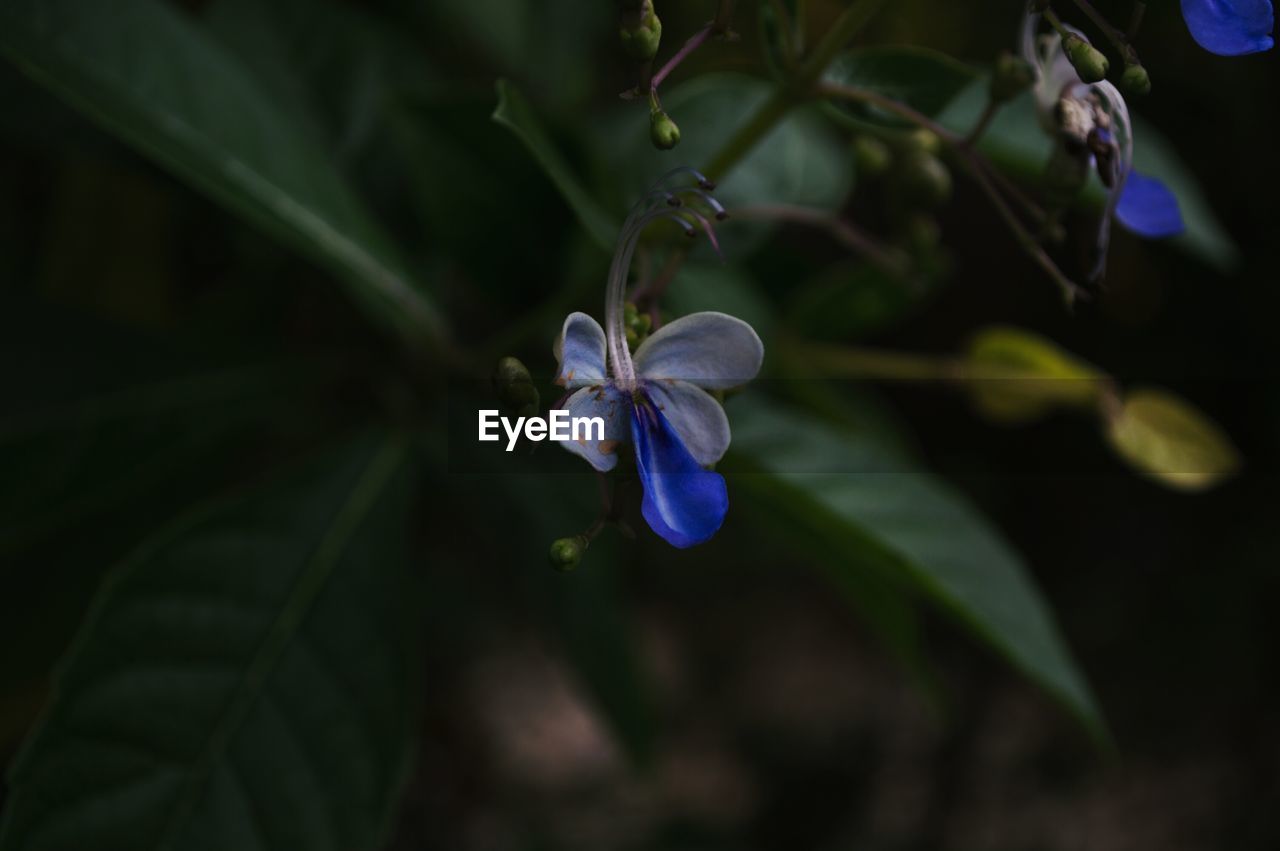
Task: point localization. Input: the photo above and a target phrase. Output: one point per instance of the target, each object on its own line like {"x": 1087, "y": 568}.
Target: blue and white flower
{"x": 657, "y": 401}
{"x": 1091, "y": 122}
{"x": 1231, "y": 27}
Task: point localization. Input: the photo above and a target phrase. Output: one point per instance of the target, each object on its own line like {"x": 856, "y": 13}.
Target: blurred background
{"x": 166, "y": 347}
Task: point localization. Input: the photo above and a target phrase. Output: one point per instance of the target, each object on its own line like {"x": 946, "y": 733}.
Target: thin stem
{"x": 846, "y": 233}
{"x": 1070, "y": 290}
{"x": 693, "y": 43}
{"x": 786, "y": 32}
{"x": 986, "y": 178}
{"x": 724, "y": 17}
{"x": 1117, "y": 38}
{"x": 848, "y": 362}
{"x": 1135, "y": 22}
{"x": 794, "y": 91}
{"x": 984, "y": 121}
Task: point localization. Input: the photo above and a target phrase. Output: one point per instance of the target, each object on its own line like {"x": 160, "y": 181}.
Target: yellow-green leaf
{"x": 1168, "y": 440}
{"x": 1015, "y": 376}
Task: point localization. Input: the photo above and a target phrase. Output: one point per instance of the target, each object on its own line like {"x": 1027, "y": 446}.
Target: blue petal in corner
{"x": 1148, "y": 208}
{"x": 1230, "y": 27}
{"x": 683, "y": 503}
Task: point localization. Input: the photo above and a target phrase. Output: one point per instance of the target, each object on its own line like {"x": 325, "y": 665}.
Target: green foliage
{"x": 257, "y": 654}
{"x": 866, "y": 508}
{"x": 148, "y": 75}
{"x": 922, "y": 79}
{"x": 514, "y": 112}
{"x": 251, "y": 676}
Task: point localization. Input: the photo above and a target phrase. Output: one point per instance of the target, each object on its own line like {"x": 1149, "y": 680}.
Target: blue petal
{"x": 683, "y": 503}
{"x": 1148, "y": 208}
{"x": 1230, "y": 27}
{"x": 580, "y": 352}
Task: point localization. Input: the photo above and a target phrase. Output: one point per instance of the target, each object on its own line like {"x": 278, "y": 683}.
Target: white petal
{"x": 712, "y": 350}
{"x": 579, "y": 352}
{"x": 698, "y": 419}
{"x": 615, "y": 409}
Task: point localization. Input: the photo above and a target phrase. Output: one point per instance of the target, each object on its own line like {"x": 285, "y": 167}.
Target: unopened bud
{"x": 641, "y": 32}
{"x": 514, "y": 387}
{"x": 1136, "y": 80}
{"x": 926, "y": 180}
{"x": 872, "y": 156}
{"x": 663, "y": 132}
{"x": 924, "y": 141}
{"x": 567, "y": 552}
{"x": 1088, "y": 61}
{"x": 1012, "y": 76}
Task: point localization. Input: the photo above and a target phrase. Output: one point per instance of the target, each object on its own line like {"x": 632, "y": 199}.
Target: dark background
{"x": 780, "y": 722}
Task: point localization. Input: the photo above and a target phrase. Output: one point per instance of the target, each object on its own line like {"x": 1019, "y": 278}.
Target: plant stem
{"x": 1117, "y": 38}
{"x": 984, "y": 121}
{"x": 848, "y": 362}
{"x": 693, "y": 43}
{"x": 977, "y": 167}
{"x": 794, "y": 91}
{"x": 1070, "y": 290}
{"x": 844, "y": 232}
{"x": 724, "y": 16}
{"x": 1135, "y": 22}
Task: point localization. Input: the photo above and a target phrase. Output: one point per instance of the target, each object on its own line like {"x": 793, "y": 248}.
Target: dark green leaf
{"x": 246, "y": 680}
{"x": 515, "y": 113}
{"x": 873, "y": 510}
{"x": 148, "y": 74}
{"x": 922, "y": 79}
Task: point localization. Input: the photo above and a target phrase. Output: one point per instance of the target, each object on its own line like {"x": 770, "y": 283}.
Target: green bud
{"x": 663, "y": 132}
{"x": 1136, "y": 80}
{"x": 1088, "y": 61}
{"x": 1012, "y": 76}
{"x": 510, "y": 371}
{"x": 641, "y": 32}
{"x": 514, "y": 386}
{"x": 924, "y": 141}
{"x": 926, "y": 181}
{"x": 872, "y": 156}
{"x": 567, "y": 552}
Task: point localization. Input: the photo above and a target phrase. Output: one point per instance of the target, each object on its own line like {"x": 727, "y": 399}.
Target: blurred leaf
{"x": 333, "y": 65}
{"x": 148, "y": 74}
{"x": 728, "y": 289}
{"x": 774, "y": 30}
{"x": 245, "y": 681}
{"x": 549, "y": 46}
{"x": 82, "y": 435}
{"x": 923, "y": 79}
{"x": 872, "y": 510}
{"x": 800, "y": 162}
{"x": 1016, "y": 377}
{"x": 1016, "y": 142}
{"x": 1168, "y": 440}
{"x": 851, "y": 300}
{"x": 515, "y": 113}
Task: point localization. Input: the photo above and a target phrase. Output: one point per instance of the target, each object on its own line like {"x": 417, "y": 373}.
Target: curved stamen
{"x": 660, "y": 202}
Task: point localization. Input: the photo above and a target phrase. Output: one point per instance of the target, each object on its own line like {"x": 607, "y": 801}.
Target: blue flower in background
{"x": 1230, "y": 27}
{"x": 657, "y": 401}
{"x": 1092, "y": 122}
